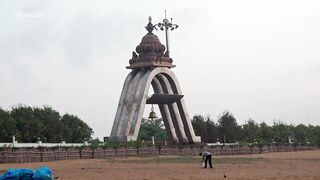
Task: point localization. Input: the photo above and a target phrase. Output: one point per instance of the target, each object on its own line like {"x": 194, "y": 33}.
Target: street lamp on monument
{"x": 167, "y": 26}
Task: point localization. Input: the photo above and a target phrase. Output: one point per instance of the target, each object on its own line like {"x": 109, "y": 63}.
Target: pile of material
{"x": 43, "y": 173}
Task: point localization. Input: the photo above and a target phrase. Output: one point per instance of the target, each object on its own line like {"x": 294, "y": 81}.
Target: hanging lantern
{"x": 152, "y": 114}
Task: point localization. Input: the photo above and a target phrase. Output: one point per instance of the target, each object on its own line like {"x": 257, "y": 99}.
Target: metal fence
{"x": 25, "y": 155}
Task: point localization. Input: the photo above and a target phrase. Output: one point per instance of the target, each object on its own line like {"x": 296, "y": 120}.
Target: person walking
{"x": 206, "y": 156}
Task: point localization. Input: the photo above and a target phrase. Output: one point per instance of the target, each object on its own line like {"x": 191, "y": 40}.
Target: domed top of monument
{"x": 150, "y": 52}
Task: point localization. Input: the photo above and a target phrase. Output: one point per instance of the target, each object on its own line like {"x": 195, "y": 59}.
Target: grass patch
{"x": 184, "y": 159}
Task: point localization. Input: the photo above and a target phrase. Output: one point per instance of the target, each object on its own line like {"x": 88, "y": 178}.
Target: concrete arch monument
{"x": 152, "y": 68}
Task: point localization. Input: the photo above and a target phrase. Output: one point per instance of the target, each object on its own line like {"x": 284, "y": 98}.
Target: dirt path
{"x": 285, "y": 165}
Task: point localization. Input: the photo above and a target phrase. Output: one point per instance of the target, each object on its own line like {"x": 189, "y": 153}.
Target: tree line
{"x": 227, "y": 130}
{"x": 30, "y": 124}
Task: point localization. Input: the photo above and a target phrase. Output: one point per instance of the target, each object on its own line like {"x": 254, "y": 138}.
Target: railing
{"x": 42, "y": 154}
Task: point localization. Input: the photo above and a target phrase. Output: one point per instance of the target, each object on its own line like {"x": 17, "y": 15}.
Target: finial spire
{"x": 150, "y": 26}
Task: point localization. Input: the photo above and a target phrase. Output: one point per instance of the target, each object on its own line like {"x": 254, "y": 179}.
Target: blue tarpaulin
{"x": 43, "y": 173}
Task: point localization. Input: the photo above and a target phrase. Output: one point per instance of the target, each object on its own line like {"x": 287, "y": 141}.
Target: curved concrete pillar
{"x": 116, "y": 123}
{"x": 183, "y": 108}
{"x": 175, "y": 114}
{"x": 165, "y": 113}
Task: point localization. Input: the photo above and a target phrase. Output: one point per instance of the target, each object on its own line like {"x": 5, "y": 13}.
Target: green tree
{"x": 31, "y": 124}
{"x": 229, "y": 129}
{"x": 251, "y": 132}
{"x": 50, "y": 122}
{"x": 28, "y": 127}
{"x": 212, "y": 130}
{"x": 300, "y": 134}
{"x": 200, "y": 127}
{"x": 315, "y": 138}
{"x": 95, "y": 142}
{"x": 266, "y": 132}
{"x": 74, "y": 130}
{"x": 313, "y": 134}
{"x": 7, "y": 126}
{"x": 281, "y": 132}
{"x": 149, "y": 128}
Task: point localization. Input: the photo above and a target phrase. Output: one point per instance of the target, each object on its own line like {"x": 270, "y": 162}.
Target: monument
{"x": 151, "y": 67}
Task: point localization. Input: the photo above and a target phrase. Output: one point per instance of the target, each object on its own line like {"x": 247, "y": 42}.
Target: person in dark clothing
{"x": 206, "y": 156}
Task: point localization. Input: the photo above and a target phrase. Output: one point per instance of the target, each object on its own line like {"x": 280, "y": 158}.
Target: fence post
{"x": 2, "y": 156}
{"x": 92, "y": 153}
{"x": 67, "y": 152}
{"x": 55, "y": 155}
{"x": 41, "y": 156}
{"x": 27, "y": 156}
{"x": 80, "y": 153}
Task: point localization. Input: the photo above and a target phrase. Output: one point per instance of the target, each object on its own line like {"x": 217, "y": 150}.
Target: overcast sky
{"x": 256, "y": 59}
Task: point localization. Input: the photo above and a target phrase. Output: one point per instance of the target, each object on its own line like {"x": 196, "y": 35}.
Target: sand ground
{"x": 284, "y": 165}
